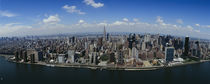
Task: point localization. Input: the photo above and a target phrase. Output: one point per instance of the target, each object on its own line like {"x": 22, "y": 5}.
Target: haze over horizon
{"x": 44, "y": 17}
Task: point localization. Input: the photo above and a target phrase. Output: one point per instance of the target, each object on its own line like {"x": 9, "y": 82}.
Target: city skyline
{"x": 38, "y": 17}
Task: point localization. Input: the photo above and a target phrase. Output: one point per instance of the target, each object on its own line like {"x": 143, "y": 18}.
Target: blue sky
{"x": 69, "y": 14}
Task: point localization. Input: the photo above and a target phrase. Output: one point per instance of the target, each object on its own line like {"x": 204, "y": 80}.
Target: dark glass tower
{"x": 186, "y": 47}
{"x": 32, "y": 58}
{"x": 25, "y": 56}
{"x": 16, "y": 56}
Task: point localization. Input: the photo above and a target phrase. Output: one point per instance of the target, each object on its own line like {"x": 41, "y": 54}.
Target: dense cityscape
{"x": 104, "y": 41}
{"x": 120, "y": 50}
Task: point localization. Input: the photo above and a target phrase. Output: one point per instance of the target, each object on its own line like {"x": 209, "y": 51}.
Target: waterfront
{"x": 25, "y": 73}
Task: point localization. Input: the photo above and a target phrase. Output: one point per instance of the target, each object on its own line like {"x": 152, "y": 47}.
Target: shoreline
{"x": 97, "y": 67}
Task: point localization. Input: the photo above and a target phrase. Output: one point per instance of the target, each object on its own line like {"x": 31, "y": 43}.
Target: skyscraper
{"x": 25, "y": 56}
{"x": 143, "y": 46}
{"x": 135, "y": 53}
{"x": 131, "y": 40}
{"x": 186, "y": 47}
{"x": 17, "y": 56}
{"x": 107, "y": 37}
{"x": 120, "y": 57}
{"x": 169, "y": 54}
{"x": 32, "y": 56}
{"x": 61, "y": 58}
{"x": 71, "y": 56}
{"x": 104, "y": 38}
{"x": 198, "y": 50}
{"x": 40, "y": 56}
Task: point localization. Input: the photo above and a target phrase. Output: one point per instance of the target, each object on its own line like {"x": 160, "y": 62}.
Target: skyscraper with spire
{"x": 104, "y": 38}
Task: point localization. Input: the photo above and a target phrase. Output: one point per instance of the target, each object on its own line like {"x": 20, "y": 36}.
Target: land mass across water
{"x": 107, "y": 51}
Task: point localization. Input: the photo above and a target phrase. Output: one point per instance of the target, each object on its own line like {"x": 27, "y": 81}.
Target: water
{"x": 26, "y": 74}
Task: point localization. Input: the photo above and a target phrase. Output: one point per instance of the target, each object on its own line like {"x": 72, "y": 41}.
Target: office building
{"x": 32, "y": 56}
{"x": 186, "y": 48}
{"x": 71, "y": 54}
{"x": 61, "y": 58}
{"x": 169, "y": 54}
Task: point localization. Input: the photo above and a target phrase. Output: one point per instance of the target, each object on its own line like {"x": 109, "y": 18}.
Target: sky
{"x": 44, "y": 17}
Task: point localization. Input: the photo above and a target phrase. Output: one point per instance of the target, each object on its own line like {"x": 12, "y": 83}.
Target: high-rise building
{"x": 198, "y": 50}
{"x": 169, "y": 54}
{"x": 40, "y": 56}
{"x": 131, "y": 40}
{"x": 104, "y": 37}
{"x": 147, "y": 38}
{"x": 71, "y": 56}
{"x": 86, "y": 45}
{"x": 34, "y": 52}
{"x": 61, "y": 58}
{"x": 120, "y": 57}
{"x": 93, "y": 58}
{"x": 73, "y": 39}
{"x": 186, "y": 48}
{"x": 112, "y": 58}
{"x": 135, "y": 53}
{"x": 96, "y": 61}
{"x": 143, "y": 46}
{"x": 107, "y": 37}
{"x": 32, "y": 56}
{"x": 16, "y": 56}
{"x": 25, "y": 57}
{"x": 21, "y": 52}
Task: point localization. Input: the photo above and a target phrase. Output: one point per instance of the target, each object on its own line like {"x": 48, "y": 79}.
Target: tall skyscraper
{"x": 198, "y": 50}
{"x": 135, "y": 53}
{"x": 186, "y": 47}
{"x": 120, "y": 57}
{"x": 107, "y": 37}
{"x": 86, "y": 45}
{"x": 17, "y": 56}
{"x": 25, "y": 57}
{"x": 131, "y": 40}
{"x": 32, "y": 56}
{"x": 71, "y": 56}
{"x": 40, "y": 56}
{"x": 143, "y": 46}
{"x": 104, "y": 38}
{"x": 169, "y": 54}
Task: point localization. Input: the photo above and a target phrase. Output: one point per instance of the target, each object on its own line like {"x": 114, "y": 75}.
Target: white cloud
{"x": 11, "y": 29}
{"x": 180, "y": 21}
{"x": 72, "y": 9}
{"x": 203, "y": 26}
{"x": 7, "y": 14}
{"x": 197, "y": 31}
{"x": 116, "y": 26}
{"x": 53, "y": 19}
{"x": 93, "y": 3}
{"x": 135, "y": 19}
{"x": 125, "y": 19}
{"x": 118, "y": 23}
{"x": 102, "y": 24}
{"x": 198, "y": 25}
{"x": 81, "y": 21}
{"x": 190, "y": 27}
{"x": 160, "y": 21}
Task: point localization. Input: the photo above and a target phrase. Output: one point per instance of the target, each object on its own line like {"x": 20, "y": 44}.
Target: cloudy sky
{"x": 43, "y": 17}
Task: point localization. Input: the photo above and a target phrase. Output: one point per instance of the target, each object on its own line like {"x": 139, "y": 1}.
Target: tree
{"x": 104, "y": 57}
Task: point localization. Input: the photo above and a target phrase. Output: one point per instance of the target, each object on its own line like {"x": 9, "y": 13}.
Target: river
{"x": 12, "y": 73}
